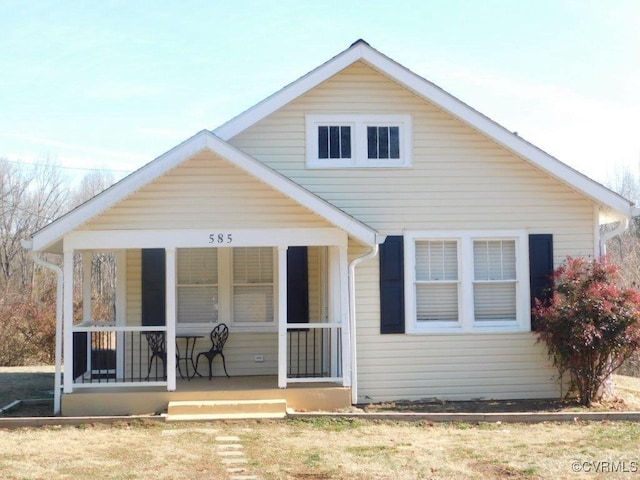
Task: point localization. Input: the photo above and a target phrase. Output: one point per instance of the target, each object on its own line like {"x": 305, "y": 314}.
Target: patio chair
{"x": 218, "y": 337}
{"x": 156, "y": 341}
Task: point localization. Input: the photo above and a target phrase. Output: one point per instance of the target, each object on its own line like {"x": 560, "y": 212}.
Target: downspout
{"x": 606, "y": 236}
{"x": 57, "y": 381}
{"x": 352, "y": 314}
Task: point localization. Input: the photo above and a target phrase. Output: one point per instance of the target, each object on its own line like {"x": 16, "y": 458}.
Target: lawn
{"x": 322, "y": 449}
{"x": 315, "y": 448}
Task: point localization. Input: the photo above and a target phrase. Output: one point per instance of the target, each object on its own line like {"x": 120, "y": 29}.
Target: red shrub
{"x": 590, "y": 326}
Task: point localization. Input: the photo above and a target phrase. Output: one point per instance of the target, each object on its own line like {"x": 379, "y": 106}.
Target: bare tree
{"x": 31, "y": 197}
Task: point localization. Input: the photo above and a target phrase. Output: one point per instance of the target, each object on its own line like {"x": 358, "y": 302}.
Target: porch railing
{"x": 107, "y": 355}
{"x": 314, "y": 351}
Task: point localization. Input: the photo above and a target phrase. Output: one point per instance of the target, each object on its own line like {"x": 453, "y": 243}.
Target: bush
{"x": 28, "y": 331}
{"x": 589, "y": 325}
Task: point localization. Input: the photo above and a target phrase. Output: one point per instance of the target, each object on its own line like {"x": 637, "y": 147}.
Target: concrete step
{"x": 226, "y": 409}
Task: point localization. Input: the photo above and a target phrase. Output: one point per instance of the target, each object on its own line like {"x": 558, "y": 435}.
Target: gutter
{"x": 28, "y": 245}
{"x": 352, "y": 313}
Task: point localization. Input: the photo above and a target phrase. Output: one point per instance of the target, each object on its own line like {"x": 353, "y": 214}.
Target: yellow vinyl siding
{"x": 459, "y": 180}
{"x": 203, "y": 191}
{"x": 443, "y": 366}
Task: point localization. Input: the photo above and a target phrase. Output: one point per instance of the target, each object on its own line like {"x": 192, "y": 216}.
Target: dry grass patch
{"x": 317, "y": 449}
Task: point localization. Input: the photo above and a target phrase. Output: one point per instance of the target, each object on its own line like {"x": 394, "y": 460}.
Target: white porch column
{"x": 170, "y": 282}
{"x": 87, "y": 258}
{"x": 344, "y": 315}
{"x": 121, "y": 308}
{"x": 68, "y": 321}
{"x": 282, "y": 317}
{"x": 335, "y": 304}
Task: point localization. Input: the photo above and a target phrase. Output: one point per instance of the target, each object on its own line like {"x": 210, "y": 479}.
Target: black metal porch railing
{"x": 314, "y": 351}
{"x": 117, "y": 355}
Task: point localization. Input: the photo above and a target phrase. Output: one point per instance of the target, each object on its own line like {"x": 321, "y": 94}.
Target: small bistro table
{"x": 187, "y": 355}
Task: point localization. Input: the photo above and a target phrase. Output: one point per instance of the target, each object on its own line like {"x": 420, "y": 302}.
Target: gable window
{"x": 383, "y": 142}
{"x": 334, "y": 141}
{"x": 343, "y": 141}
{"x": 231, "y": 285}
{"x": 466, "y": 281}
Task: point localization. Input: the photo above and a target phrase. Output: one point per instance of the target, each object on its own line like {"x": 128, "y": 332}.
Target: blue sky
{"x": 114, "y": 84}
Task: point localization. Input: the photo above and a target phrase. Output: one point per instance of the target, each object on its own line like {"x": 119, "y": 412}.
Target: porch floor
{"x": 89, "y": 401}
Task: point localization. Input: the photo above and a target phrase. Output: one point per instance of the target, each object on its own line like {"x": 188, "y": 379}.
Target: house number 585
{"x": 220, "y": 238}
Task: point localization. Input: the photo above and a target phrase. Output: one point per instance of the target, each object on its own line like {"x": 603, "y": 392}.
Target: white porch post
{"x": 121, "y": 306}
{"x": 344, "y": 316}
{"x": 282, "y": 317}
{"x": 170, "y": 281}
{"x": 335, "y": 303}
{"x": 87, "y": 258}
{"x": 68, "y": 321}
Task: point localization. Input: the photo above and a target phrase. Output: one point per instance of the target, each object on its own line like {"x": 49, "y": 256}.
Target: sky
{"x": 114, "y": 84}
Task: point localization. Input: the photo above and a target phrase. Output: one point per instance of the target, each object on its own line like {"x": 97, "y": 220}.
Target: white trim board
{"x": 361, "y": 51}
{"x": 52, "y": 233}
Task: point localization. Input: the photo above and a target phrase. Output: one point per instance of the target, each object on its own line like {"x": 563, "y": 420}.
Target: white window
{"x": 466, "y": 281}
{"x": 231, "y": 285}
{"x": 197, "y": 285}
{"x": 436, "y": 281}
{"x": 494, "y": 283}
{"x": 342, "y": 141}
{"x": 253, "y": 285}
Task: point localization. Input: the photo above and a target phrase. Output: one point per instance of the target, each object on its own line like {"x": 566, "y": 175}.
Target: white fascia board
{"x": 497, "y": 132}
{"x": 109, "y": 197}
{"x": 442, "y": 99}
{"x": 289, "y": 93}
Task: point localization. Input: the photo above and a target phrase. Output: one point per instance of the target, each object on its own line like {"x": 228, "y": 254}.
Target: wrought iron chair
{"x": 218, "y": 337}
{"x": 156, "y": 341}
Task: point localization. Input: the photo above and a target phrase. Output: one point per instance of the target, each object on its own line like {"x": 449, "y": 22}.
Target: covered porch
{"x": 276, "y": 338}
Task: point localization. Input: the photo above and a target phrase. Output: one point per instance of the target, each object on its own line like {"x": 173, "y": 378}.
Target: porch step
{"x": 226, "y": 409}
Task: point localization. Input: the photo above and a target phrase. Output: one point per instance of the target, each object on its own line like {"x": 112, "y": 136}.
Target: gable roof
{"x": 53, "y": 233}
{"x": 362, "y": 51}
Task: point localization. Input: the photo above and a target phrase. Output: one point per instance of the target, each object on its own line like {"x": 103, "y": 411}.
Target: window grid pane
{"x": 436, "y": 260}
{"x": 323, "y": 142}
{"x": 334, "y": 141}
{"x": 394, "y": 142}
{"x": 494, "y": 301}
{"x": 383, "y": 142}
{"x": 437, "y": 302}
{"x": 494, "y": 260}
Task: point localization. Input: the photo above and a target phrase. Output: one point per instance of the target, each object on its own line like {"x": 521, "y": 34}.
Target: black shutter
{"x": 540, "y": 268}
{"x": 297, "y": 285}
{"x": 153, "y": 287}
{"x": 392, "y": 285}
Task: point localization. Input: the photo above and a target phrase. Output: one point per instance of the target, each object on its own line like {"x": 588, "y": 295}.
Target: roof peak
{"x": 360, "y": 40}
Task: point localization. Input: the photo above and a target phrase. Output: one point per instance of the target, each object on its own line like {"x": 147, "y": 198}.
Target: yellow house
{"x": 363, "y": 234}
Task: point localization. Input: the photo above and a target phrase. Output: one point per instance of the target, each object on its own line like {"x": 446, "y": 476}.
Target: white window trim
{"x": 358, "y": 123}
{"x": 225, "y": 299}
{"x": 466, "y": 322}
